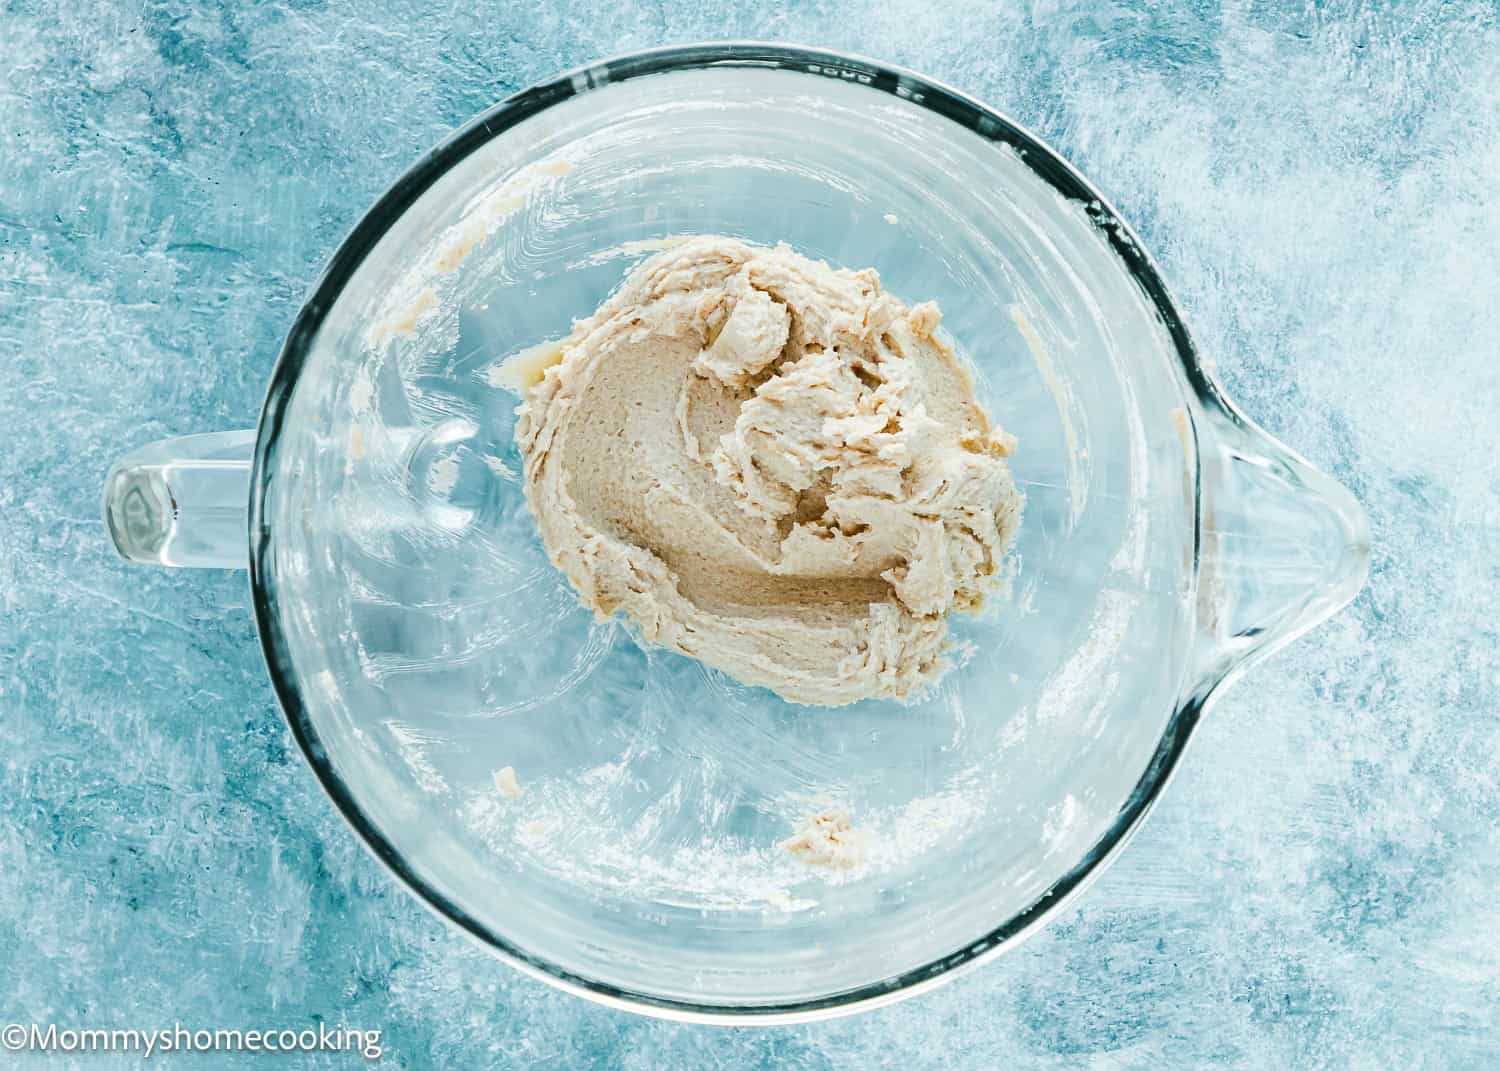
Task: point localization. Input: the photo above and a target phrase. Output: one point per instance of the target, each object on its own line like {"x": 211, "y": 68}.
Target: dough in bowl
{"x": 772, "y": 466}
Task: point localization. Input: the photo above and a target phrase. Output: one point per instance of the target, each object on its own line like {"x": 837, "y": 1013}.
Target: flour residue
{"x": 1089, "y": 670}
{"x": 412, "y": 745}
{"x": 1064, "y": 821}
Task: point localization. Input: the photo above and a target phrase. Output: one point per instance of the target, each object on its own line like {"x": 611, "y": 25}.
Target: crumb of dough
{"x": 506, "y": 783}
{"x": 538, "y": 828}
{"x": 772, "y": 466}
{"x": 826, "y": 839}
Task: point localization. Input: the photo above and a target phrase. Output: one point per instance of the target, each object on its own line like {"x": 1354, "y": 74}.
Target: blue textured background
{"x": 1319, "y": 888}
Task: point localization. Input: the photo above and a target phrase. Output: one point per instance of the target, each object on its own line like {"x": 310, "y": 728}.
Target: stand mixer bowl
{"x": 420, "y": 641}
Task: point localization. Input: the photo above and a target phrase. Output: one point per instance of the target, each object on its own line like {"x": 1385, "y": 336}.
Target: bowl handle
{"x": 1282, "y": 547}
{"x": 183, "y": 501}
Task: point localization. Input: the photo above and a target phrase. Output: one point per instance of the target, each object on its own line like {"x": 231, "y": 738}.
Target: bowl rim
{"x": 925, "y": 92}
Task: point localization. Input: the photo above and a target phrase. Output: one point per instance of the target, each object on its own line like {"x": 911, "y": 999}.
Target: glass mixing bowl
{"x": 420, "y": 641}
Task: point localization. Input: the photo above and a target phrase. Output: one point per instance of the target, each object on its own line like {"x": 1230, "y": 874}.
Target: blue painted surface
{"x": 1318, "y": 888}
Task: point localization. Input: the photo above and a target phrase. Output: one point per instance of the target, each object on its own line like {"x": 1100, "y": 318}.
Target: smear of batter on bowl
{"x": 828, "y": 840}
{"x": 770, "y": 465}
{"x": 1062, "y": 393}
